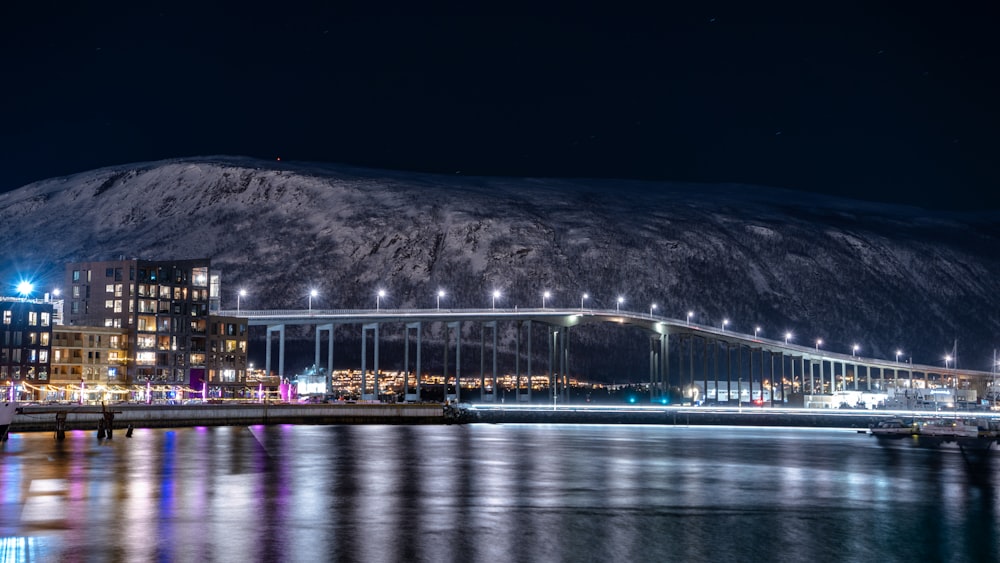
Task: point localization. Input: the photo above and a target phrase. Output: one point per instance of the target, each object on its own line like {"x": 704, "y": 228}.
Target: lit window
{"x": 32, "y": 318}
{"x": 7, "y": 317}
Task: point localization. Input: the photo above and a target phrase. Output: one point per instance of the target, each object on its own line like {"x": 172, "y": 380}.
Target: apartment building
{"x": 164, "y": 308}
{"x": 94, "y": 357}
{"x": 25, "y": 345}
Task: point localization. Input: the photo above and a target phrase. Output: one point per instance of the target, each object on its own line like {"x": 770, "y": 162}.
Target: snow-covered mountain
{"x": 885, "y": 277}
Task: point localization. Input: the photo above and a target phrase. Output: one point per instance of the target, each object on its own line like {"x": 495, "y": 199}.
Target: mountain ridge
{"x": 886, "y": 276}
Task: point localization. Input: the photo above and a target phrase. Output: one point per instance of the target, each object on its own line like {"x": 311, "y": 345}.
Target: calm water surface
{"x": 494, "y": 493}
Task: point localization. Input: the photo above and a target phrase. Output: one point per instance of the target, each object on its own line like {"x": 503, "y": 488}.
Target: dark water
{"x": 494, "y": 493}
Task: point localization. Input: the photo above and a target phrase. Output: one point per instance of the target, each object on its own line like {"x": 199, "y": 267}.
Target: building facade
{"x": 25, "y": 346}
{"x": 227, "y": 357}
{"x": 163, "y": 307}
{"x": 88, "y": 358}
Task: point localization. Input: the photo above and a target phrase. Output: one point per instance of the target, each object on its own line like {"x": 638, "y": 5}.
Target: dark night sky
{"x": 889, "y": 102}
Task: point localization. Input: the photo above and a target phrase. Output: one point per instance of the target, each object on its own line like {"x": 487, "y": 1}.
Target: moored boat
{"x": 7, "y": 411}
{"x": 892, "y": 427}
{"x": 955, "y": 428}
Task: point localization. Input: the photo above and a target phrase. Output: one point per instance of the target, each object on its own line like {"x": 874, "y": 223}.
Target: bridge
{"x": 774, "y": 366}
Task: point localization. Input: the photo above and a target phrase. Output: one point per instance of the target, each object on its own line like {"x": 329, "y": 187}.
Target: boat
{"x": 892, "y": 427}
{"x": 951, "y": 428}
{"x": 7, "y": 411}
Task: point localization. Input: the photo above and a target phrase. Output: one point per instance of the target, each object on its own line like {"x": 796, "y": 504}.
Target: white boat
{"x": 7, "y": 411}
{"x": 949, "y": 428}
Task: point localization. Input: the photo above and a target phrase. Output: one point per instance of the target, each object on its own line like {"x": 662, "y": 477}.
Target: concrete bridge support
{"x": 280, "y": 329}
{"x": 364, "y": 361}
{"x": 483, "y": 396}
{"x": 455, "y": 326}
{"x": 320, "y": 329}
{"x": 406, "y": 364}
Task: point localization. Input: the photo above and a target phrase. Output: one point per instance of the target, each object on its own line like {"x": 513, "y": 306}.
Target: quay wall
{"x": 43, "y": 417}
{"x": 857, "y": 419}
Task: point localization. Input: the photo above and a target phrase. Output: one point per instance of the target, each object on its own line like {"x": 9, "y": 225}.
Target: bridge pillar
{"x": 457, "y": 326}
{"x": 530, "y": 373}
{"x": 652, "y": 367}
{"x": 553, "y": 337}
{"x": 729, "y": 373}
{"x": 492, "y": 397}
{"x": 280, "y": 329}
{"x": 406, "y": 363}
{"x": 563, "y": 362}
{"x": 664, "y": 363}
{"x": 517, "y": 362}
{"x": 364, "y": 360}
{"x": 320, "y": 329}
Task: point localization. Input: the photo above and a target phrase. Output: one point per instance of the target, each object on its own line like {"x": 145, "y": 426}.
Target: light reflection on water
{"x": 494, "y": 493}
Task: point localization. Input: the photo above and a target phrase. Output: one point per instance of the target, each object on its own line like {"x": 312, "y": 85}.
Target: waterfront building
{"x": 165, "y": 309}
{"x": 88, "y": 359}
{"x": 25, "y": 346}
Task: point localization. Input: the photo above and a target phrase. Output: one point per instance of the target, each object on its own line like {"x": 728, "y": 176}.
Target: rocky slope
{"x": 845, "y": 271}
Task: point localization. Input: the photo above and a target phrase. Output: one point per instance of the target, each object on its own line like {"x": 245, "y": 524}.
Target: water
{"x": 494, "y": 493}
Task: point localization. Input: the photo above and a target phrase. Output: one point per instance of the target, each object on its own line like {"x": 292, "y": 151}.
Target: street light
{"x": 239, "y": 294}
{"x": 618, "y": 304}
{"x": 898, "y": 354}
{"x": 787, "y": 336}
{"x": 378, "y": 297}
{"x": 946, "y": 360}
{"x": 724, "y": 323}
{"x": 24, "y": 288}
{"x": 439, "y": 296}
{"x": 854, "y": 350}
{"x": 690, "y": 314}
{"x": 651, "y": 309}
{"x": 312, "y": 293}
{"x": 545, "y": 296}
{"x": 582, "y": 298}
{"x": 496, "y": 295}
{"x": 818, "y": 342}
{"x": 756, "y": 330}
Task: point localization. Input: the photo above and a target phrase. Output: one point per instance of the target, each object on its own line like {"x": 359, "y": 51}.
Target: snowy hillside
{"x": 845, "y": 271}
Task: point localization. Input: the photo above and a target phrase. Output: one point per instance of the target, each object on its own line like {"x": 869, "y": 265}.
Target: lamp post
{"x": 312, "y": 293}
{"x": 651, "y": 309}
{"x": 582, "y": 298}
{"x": 898, "y": 354}
{"x": 724, "y": 323}
{"x": 787, "y": 336}
{"x": 818, "y": 342}
{"x": 239, "y": 294}
{"x": 756, "y": 330}
{"x": 947, "y": 360}
{"x": 545, "y": 296}
{"x": 439, "y": 296}
{"x": 854, "y": 350}
{"x": 690, "y": 314}
{"x": 378, "y": 297}
{"x": 496, "y": 295}
{"x": 618, "y": 303}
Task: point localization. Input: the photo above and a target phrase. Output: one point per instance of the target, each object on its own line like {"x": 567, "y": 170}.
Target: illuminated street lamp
{"x": 582, "y": 298}
{"x": 947, "y": 359}
{"x": 618, "y": 304}
{"x": 24, "y": 288}
{"x": 312, "y": 293}
{"x": 898, "y": 354}
{"x": 854, "y": 350}
{"x": 56, "y": 292}
{"x": 378, "y": 297}
{"x": 756, "y": 330}
{"x": 690, "y": 314}
{"x": 787, "y": 336}
{"x": 439, "y": 296}
{"x": 818, "y": 342}
{"x": 545, "y": 296}
{"x": 496, "y": 295}
{"x": 239, "y": 294}
{"x": 651, "y": 309}
{"x": 724, "y": 323}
